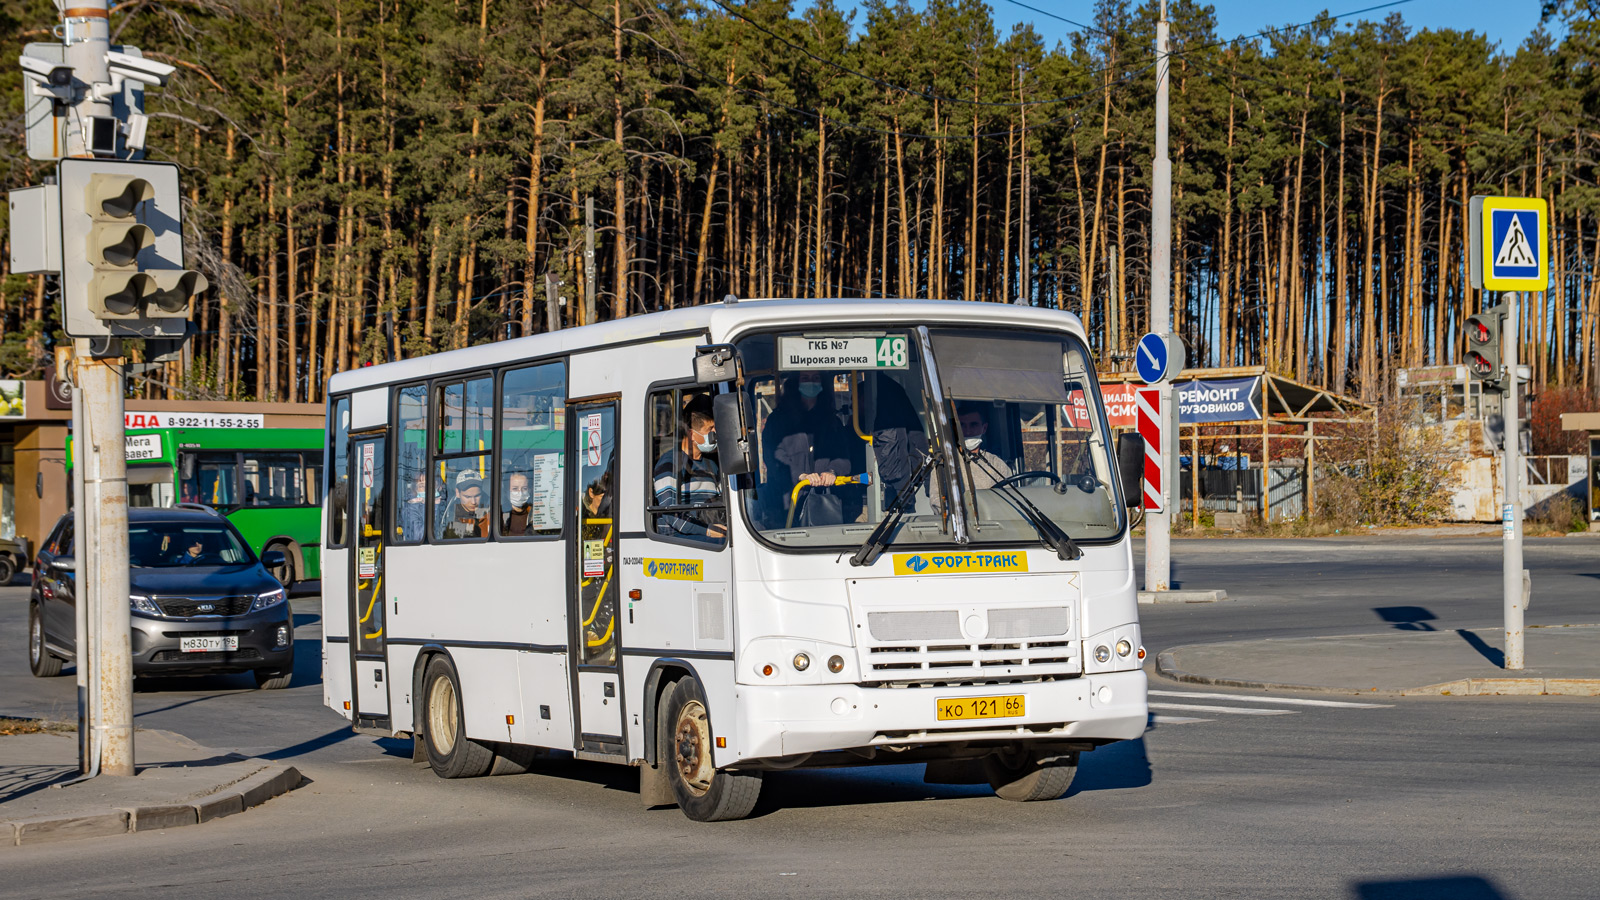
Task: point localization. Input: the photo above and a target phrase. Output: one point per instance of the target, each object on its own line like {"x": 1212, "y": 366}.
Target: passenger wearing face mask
{"x": 518, "y": 517}
{"x": 687, "y": 478}
{"x": 805, "y": 437}
{"x": 986, "y": 468}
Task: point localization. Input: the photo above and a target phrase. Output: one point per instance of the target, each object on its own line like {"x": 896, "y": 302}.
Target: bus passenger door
{"x": 593, "y": 604}
{"x": 367, "y": 594}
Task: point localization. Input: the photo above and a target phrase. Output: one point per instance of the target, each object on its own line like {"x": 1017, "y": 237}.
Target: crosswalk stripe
{"x": 1230, "y": 710}
{"x": 1158, "y": 719}
{"x": 1341, "y": 704}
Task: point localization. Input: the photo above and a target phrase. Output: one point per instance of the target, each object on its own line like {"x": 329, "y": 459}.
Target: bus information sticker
{"x": 366, "y": 464}
{"x": 675, "y": 569}
{"x": 594, "y": 559}
{"x": 591, "y": 439}
{"x": 954, "y": 563}
{"x": 544, "y": 491}
{"x": 367, "y": 566}
{"x": 142, "y": 446}
{"x": 801, "y": 353}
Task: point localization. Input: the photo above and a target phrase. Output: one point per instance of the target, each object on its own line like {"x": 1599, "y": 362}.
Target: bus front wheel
{"x": 451, "y": 754}
{"x": 704, "y": 792}
{"x": 1026, "y": 777}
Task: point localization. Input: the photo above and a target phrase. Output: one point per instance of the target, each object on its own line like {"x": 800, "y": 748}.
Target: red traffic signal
{"x": 1483, "y": 344}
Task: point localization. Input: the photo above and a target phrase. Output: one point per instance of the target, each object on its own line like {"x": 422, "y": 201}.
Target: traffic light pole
{"x": 1158, "y": 525}
{"x": 1511, "y": 508}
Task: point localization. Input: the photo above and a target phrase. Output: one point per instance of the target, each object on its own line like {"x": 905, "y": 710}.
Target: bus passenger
{"x": 805, "y": 438}
{"x": 986, "y": 468}
{"x": 415, "y": 510}
{"x": 465, "y": 516}
{"x": 518, "y": 516}
{"x": 687, "y": 475}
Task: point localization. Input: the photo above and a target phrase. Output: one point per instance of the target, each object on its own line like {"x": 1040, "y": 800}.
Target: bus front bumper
{"x": 780, "y": 721}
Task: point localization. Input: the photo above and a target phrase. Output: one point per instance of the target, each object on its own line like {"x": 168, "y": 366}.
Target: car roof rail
{"x": 200, "y": 507}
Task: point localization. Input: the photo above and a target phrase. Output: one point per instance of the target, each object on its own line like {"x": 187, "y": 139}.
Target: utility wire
{"x": 880, "y": 82}
{"x": 677, "y": 58}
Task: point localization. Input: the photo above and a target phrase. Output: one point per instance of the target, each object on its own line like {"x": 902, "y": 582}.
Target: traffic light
{"x": 122, "y": 271}
{"x": 1483, "y": 344}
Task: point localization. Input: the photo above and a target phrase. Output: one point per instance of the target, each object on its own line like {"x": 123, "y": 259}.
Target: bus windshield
{"x": 843, "y": 422}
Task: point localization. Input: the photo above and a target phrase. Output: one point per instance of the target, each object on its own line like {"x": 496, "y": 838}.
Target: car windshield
{"x": 852, "y": 407}
{"x": 153, "y": 545}
{"x": 1030, "y": 432}
{"x": 842, "y": 423}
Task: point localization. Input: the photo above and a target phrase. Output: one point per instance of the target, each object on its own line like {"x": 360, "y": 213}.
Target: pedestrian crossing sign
{"x": 1510, "y": 243}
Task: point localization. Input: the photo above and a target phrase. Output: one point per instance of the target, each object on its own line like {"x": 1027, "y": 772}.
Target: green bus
{"x": 267, "y": 481}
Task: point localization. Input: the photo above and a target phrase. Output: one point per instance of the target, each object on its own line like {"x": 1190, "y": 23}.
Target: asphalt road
{"x": 1471, "y": 798}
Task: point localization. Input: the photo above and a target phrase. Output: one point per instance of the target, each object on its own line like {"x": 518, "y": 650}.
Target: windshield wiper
{"x": 878, "y": 540}
{"x": 1050, "y": 534}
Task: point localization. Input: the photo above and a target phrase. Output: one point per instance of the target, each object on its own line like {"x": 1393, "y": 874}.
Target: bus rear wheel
{"x": 1026, "y": 777}
{"x": 451, "y": 754}
{"x": 704, "y": 792}
{"x": 285, "y": 573}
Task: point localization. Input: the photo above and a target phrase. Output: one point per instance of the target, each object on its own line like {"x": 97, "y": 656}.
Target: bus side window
{"x": 464, "y": 438}
{"x": 686, "y": 483}
{"x": 411, "y": 465}
{"x": 530, "y": 449}
{"x": 338, "y": 486}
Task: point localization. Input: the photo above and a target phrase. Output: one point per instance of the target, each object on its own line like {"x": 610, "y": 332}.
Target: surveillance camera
{"x": 45, "y": 73}
{"x": 137, "y": 68}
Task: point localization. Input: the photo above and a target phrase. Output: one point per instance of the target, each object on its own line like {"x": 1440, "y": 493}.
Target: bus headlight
{"x": 802, "y": 662}
{"x": 835, "y": 664}
{"x": 1102, "y": 653}
{"x": 270, "y": 598}
{"x": 1123, "y": 647}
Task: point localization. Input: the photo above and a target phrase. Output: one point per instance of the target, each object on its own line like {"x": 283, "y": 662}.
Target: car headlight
{"x": 143, "y": 604}
{"x": 270, "y": 598}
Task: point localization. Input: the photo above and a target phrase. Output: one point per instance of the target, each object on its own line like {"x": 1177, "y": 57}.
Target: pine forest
{"x": 378, "y": 179}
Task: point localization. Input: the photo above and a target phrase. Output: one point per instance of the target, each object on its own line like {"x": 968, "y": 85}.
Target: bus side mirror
{"x": 186, "y": 465}
{"x": 715, "y": 363}
{"x": 733, "y": 444}
{"x": 1130, "y": 467}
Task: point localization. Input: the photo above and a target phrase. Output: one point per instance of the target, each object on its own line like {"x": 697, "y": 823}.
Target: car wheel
{"x": 270, "y": 680}
{"x": 40, "y": 660}
{"x": 451, "y": 754}
{"x": 284, "y": 573}
{"x": 1027, "y": 777}
{"x": 704, "y": 792}
{"x": 8, "y": 570}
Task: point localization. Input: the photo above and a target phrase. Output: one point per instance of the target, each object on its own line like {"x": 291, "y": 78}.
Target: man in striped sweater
{"x": 688, "y": 481}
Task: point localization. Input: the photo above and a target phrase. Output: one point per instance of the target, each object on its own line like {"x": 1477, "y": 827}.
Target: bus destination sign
{"x": 825, "y": 352}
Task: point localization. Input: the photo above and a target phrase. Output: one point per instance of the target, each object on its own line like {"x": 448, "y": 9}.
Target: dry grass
{"x": 10, "y": 725}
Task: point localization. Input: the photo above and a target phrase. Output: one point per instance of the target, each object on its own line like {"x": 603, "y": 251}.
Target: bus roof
{"x": 719, "y": 320}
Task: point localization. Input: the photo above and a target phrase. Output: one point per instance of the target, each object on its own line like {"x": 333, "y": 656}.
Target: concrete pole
{"x": 1511, "y": 508}
{"x": 1158, "y": 525}
{"x": 83, "y": 624}
{"x": 103, "y": 545}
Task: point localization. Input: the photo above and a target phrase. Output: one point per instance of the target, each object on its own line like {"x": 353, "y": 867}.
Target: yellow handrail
{"x": 855, "y": 413}
{"x": 601, "y": 640}
{"x": 794, "y": 495}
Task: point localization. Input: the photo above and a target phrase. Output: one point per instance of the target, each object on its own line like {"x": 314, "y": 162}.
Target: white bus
{"x": 729, "y": 539}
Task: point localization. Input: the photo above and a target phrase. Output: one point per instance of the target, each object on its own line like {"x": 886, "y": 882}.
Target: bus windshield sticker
{"x": 675, "y": 569}
{"x": 948, "y": 563}
{"x": 594, "y": 559}
{"x": 800, "y": 353}
{"x": 143, "y": 446}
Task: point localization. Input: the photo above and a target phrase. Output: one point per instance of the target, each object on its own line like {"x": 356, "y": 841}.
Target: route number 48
{"x": 892, "y": 353}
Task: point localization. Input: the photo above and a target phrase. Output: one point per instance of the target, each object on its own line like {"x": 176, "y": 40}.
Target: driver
{"x": 194, "y": 550}
{"x": 986, "y": 468}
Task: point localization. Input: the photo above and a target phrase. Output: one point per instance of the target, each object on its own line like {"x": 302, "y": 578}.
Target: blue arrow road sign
{"x": 1151, "y": 358}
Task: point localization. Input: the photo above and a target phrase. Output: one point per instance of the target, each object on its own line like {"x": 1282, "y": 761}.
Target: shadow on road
{"x": 1492, "y": 654}
{"x": 1113, "y": 767}
{"x": 1454, "y": 887}
{"x": 20, "y": 781}
{"x": 1407, "y": 618}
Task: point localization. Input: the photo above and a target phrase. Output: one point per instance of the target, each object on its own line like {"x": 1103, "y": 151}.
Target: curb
{"x": 1182, "y": 596}
{"x": 255, "y": 789}
{"x": 1465, "y": 687}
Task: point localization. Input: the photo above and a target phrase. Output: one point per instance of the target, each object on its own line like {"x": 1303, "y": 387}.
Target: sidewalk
{"x": 1561, "y": 659}
{"x": 177, "y": 782}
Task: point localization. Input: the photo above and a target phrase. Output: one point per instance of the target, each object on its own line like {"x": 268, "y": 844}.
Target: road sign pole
{"x": 1158, "y": 525}
{"x": 1511, "y": 508}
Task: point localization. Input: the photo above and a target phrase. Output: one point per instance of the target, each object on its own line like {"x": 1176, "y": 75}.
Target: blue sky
{"x": 1504, "y": 21}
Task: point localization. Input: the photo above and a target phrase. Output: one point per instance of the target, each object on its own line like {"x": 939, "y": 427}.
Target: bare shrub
{"x": 1560, "y": 513}
{"x": 1392, "y": 472}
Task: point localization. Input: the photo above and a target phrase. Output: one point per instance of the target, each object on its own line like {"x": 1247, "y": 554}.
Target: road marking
{"x": 1231, "y": 710}
{"x": 1157, "y": 719}
{"x": 1341, "y": 704}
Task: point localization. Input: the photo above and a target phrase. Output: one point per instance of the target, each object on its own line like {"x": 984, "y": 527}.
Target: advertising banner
{"x": 1223, "y": 400}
